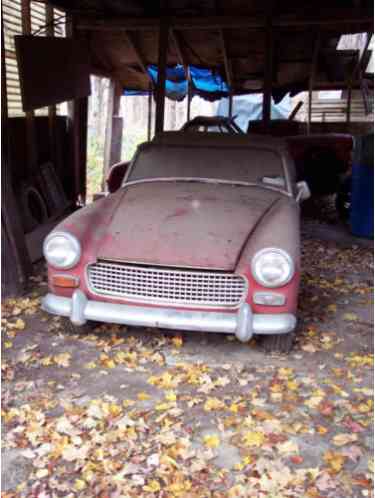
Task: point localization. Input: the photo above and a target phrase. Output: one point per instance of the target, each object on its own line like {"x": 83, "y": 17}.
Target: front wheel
{"x": 278, "y": 343}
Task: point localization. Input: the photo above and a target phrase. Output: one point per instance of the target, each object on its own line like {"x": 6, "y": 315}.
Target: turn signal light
{"x": 269, "y": 298}
{"x": 66, "y": 281}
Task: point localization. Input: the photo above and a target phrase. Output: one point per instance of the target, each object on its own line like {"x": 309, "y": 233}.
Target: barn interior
{"x": 167, "y": 49}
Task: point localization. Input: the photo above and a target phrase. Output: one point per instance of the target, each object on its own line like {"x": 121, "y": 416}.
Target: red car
{"x": 203, "y": 235}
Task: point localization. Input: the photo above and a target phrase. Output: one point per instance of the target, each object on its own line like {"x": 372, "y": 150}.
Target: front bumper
{"x": 243, "y": 323}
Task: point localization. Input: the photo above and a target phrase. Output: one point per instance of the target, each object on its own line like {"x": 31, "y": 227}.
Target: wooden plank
{"x": 324, "y": 18}
{"x": 227, "y": 63}
{"x": 294, "y": 112}
{"x": 64, "y": 60}
{"x": 112, "y": 148}
{"x": 30, "y": 123}
{"x": 149, "y": 112}
{"x": 178, "y": 42}
{"x": 162, "y": 66}
{"x": 268, "y": 73}
{"x": 139, "y": 58}
{"x": 357, "y": 72}
{"x": 52, "y": 108}
{"x": 312, "y": 78}
{"x": 15, "y": 261}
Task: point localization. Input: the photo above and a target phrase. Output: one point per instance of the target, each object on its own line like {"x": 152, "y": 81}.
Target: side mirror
{"x": 303, "y": 191}
{"x": 116, "y": 175}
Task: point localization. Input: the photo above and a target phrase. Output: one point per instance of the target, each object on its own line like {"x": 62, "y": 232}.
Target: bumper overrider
{"x": 243, "y": 324}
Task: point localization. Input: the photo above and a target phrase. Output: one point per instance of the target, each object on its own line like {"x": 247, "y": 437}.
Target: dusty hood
{"x": 184, "y": 224}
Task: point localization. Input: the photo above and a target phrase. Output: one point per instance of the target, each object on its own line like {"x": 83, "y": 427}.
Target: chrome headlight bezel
{"x": 256, "y": 261}
{"x": 75, "y": 248}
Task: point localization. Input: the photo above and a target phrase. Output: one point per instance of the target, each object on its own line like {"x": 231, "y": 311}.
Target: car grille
{"x": 169, "y": 286}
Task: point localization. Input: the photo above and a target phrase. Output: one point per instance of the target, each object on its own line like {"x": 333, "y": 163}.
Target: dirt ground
{"x": 125, "y": 412}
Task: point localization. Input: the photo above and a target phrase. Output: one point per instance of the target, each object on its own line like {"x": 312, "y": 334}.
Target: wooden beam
{"x": 324, "y": 18}
{"x": 15, "y": 261}
{"x": 294, "y": 112}
{"x": 113, "y": 130}
{"x": 312, "y": 78}
{"x": 30, "y": 117}
{"x": 77, "y": 130}
{"x": 268, "y": 73}
{"x": 177, "y": 40}
{"x": 162, "y": 66}
{"x": 52, "y": 108}
{"x": 140, "y": 61}
{"x": 356, "y": 73}
{"x": 189, "y": 98}
{"x": 227, "y": 63}
{"x": 149, "y": 112}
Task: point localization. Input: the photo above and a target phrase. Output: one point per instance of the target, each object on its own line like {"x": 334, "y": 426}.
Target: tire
{"x": 72, "y": 329}
{"x": 278, "y": 343}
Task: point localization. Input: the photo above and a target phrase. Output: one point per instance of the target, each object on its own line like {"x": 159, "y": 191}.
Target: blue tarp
{"x": 206, "y": 83}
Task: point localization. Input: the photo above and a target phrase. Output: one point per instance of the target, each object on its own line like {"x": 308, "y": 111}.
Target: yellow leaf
{"x": 8, "y": 344}
{"x": 287, "y": 447}
{"x": 332, "y": 308}
{"x": 342, "y": 439}
{"x": 62, "y": 359}
{"x": 292, "y": 385}
{"x": 41, "y": 473}
{"x": 253, "y": 438}
{"x": 153, "y": 486}
{"x": 170, "y": 396}
{"x": 211, "y": 441}
{"x": 90, "y": 365}
{"x": 334, "y": 460}
{"x": 177, "y": 341}
{"x": 285, "y": 373}
{"x": 142, "y": 396}
{"x": 350, "y": 317}
{"x": 213, "y": 404}
{"x": 79, "y": 485}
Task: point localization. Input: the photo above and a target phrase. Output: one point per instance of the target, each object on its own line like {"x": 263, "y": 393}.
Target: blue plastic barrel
{"x": 362, "y": 199}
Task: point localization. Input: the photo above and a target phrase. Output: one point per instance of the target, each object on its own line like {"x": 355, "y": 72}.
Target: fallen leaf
{"x": 211, "y": 441}
{"x": 342, "y": 439}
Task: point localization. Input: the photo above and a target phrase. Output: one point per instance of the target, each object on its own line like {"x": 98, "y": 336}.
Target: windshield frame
{"x": 288, "y": 190}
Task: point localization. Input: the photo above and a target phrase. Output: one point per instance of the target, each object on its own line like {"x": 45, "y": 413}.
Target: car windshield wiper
{"x": 216, "y": 181}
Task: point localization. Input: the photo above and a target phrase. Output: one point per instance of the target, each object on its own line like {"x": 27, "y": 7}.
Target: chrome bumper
{"x": 243, "y": 324}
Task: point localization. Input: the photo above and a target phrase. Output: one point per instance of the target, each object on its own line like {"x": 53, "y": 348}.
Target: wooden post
{"x": 230, "y": 109}
{"x": 149, "y": 112}
{"x": 51, "y": 108}
{"x": 268, "y": 74}
{"x": 189, "y": 97}
{"x": 348, "y": 104}
{"x": 15, "y": 260}
{"x": 30, "y": 117}
{"x": 113, "y": 130}
{"x": 78, "y": 114}
{"x": 162, "y": 66}
{"x": 312, "y": 79}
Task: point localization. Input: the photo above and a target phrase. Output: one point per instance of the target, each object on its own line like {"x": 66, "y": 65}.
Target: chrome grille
{"x": 169, "y": 286}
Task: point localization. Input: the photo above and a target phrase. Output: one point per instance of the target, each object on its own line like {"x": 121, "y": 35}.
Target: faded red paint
{"x": 186, "y": 225}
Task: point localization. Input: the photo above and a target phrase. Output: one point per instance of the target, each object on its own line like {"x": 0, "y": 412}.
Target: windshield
{"x": 235, "y": 164}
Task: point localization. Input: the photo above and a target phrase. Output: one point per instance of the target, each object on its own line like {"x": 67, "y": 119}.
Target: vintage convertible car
{"x": 203, "y": 235}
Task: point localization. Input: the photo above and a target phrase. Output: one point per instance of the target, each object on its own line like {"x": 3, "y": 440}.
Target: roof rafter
{"x": 326, "y": 18}
{"x": 140, "y": 61}
{"x": 227, "y": 62}
{"x": 176, "y": 37}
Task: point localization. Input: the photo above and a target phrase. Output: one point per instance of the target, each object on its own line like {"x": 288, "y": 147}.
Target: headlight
{"x": 62, "y": 250}
{"x": 272, "y": 267}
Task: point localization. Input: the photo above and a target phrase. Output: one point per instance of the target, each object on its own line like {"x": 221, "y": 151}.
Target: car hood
{"x": 196, "y": 225}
